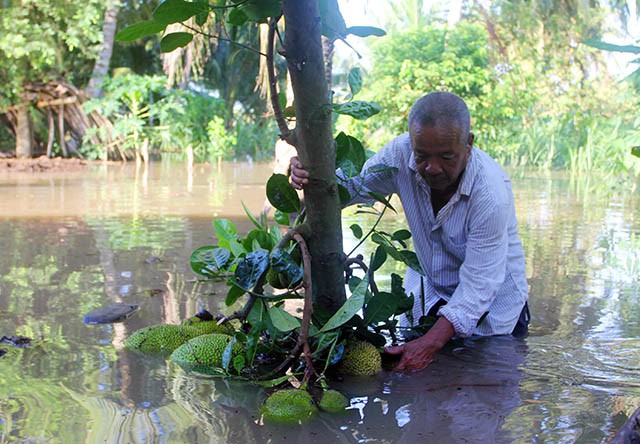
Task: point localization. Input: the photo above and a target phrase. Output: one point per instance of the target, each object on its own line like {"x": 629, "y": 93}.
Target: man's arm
{"x": 419, "y": 353}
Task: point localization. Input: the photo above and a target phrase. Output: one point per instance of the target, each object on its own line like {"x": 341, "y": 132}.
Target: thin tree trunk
{"x": 316, "y": 149}
{"x": 101, "y": 68}
{"x": 24, "y": 132}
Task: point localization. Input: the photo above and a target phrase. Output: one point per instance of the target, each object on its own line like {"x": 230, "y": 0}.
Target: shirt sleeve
{"x": 483, "y": 269}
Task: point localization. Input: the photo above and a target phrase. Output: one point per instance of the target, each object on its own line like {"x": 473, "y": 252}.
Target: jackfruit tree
{"x": 267, "y": 266}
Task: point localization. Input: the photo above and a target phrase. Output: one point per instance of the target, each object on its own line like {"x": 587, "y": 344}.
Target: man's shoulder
{"x": 491, "y": 178}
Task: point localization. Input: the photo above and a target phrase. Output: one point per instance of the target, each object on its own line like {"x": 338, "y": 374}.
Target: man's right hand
{"x": 299, "y": 176}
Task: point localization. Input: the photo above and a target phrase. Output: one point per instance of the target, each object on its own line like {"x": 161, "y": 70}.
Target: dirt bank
{"x": 42, "y": 163}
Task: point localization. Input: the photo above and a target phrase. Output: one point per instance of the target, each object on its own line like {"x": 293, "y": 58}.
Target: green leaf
{"x": 175, "y": 40}
{"x": 356, "y": 230}
{"x": 411, "y": 260}
{"x": 345, "y": 196}
{"x": 401, "y": 235}
{"x": 282, "y": 195}
{"x": 263, "y": 239}
{"x": 378, "y": 239}
{"x": 225, "y": 232}
{"x": 380, "y": 308}
{"x": 350, "y": 154}
{"x": 379, "y": 257}
{"x": 233, "y": 295}
{"x": 257, "y": 315}
{"x": 252, "y": 217}
{"x": 139, "y": 30}
{"x": 201, "y": 18}
{"x": 282, "y": 262}
{"x": 281, "y": 217}
{"x": 260, "y": 10}
{"x": 357, "y": 109}
{"x": 366, "y": 31}
{"x": 209, "y": 260}
{"x": 635, "y": 151}
{"x": 333, "y": 24}
{"x": 354, "y": 79}
{"x": 352, "y": 305}
{"x": 175, "y": 11}
{"x": 274, "y": 382}
{"x": 239, "y": 363}
{"x": 226, "y": 355}
{"x": 250, "y": 268}
{"x": 325, "y": 341}
{"x": 632, "y": 49}
{"x": 237, "y": 17}
{"x": 282, "y": 320}
{"x": 382, "y": 199}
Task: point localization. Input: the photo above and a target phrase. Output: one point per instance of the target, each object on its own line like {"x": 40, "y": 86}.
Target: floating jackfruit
{"x": 205, "y": 351}
{"x": 289, "y": 406}
{"x": 360, "y": 358}
{"x": 207, "y": 327}
{"x": 160, "y": 339}
{"x": 333, "y": 401}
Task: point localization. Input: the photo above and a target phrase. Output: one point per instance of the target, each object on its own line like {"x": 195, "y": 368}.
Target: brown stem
{"x": 307, "y": 311}
{"x": 257, "y": 289}
{"x": 285, "y": 132}
{"x": 358, "y": 261}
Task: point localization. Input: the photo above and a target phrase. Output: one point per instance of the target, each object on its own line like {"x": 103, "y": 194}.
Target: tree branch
{"x": 223, "y": 39}
{"x": 285, "y": 132}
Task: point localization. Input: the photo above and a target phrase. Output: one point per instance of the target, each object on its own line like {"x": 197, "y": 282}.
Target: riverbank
{"x": 42, "y": 163}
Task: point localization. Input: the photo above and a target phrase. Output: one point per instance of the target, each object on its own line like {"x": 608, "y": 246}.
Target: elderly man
{"x": 459, "y": 206}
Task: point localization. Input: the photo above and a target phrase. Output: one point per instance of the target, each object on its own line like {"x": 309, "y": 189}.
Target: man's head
{"x": 439, "y": 128}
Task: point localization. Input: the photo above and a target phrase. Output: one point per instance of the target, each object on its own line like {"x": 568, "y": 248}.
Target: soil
{"x": 42, "y": 163}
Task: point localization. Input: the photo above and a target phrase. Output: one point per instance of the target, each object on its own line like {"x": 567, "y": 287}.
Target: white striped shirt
{"x": 470, "y": 252}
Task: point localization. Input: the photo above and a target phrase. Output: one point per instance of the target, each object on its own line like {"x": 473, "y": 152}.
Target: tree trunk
{"x": 101, "y": 68}
{"x": 316, "y": 149}
{"x": 24, "y": 132}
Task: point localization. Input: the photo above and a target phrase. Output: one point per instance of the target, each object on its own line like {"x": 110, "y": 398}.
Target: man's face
{"x": 440, "y": 154}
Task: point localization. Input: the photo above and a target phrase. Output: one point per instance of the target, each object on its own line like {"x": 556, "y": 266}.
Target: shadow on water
{"x": 73, "y": 243}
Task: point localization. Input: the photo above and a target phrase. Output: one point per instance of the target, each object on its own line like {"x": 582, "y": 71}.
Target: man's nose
{"x": 432, "y": 167}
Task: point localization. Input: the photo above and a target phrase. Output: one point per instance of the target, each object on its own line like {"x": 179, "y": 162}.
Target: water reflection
{"x": 75, "y": 242}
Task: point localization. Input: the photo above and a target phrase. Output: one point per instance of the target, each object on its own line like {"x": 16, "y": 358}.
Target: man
{"x": 459, "y": 206}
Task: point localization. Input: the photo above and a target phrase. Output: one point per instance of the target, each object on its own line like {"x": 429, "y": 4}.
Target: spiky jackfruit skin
{"x": 333, "y": 401}
{"x": 208, "y": 327}
{"x": 360, "y": 358}
{"x": 289, "y": 406}
{"x": 160, "y": 339}
{"x": 205, "y": 350}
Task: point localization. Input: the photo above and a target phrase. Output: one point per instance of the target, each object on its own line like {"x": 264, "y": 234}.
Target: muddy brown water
{"x": 71, "y": 242}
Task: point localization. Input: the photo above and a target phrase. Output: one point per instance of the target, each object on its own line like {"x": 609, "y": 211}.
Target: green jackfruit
{"x": 208, "y": 327}
{"x": 160, "y": 339}
{"x": 333, "y": 401}
{"x": 289, "y": 406}
{"x": 205, "y": 351}
{"x": 360, "y": 358}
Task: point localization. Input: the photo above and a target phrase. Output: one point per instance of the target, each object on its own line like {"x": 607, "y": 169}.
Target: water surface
{"x": 76, "y": 241}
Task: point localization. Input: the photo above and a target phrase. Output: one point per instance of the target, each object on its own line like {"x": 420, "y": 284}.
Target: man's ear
{"x": 470, "y": 140}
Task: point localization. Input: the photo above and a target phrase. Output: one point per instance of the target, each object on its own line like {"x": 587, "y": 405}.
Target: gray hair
{"x": 441, "y": 108}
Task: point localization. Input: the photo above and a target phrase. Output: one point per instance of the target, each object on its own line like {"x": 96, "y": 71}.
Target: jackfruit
{"x": 289, "y": 406}
{"x": 360, "y": 358}
{"x": 333, "y": 401}
{"x": 160, "y": 339}
{"x": 205, "y": 351}
{"x": 208, "y": 327}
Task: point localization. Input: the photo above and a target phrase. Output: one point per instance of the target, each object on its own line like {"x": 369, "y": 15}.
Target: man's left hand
{"x": 418, "y": 354}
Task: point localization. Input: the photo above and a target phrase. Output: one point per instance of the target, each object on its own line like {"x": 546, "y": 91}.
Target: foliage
{"x": 142, "y": 107}
{"x": 409, "y": 64}
{"x": 44, "y": 40}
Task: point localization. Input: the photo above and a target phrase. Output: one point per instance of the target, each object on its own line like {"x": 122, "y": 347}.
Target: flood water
{"x": 72, "y": 242}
